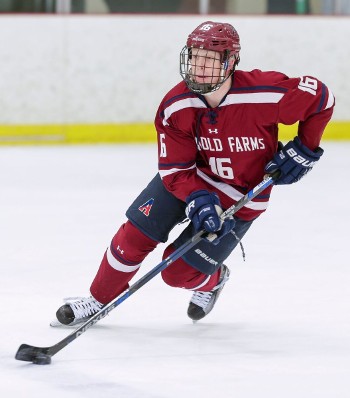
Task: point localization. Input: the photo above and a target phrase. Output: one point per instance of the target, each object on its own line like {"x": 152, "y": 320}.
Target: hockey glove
{"x": 204, "y": 210}
{"x": 294, "y": 161}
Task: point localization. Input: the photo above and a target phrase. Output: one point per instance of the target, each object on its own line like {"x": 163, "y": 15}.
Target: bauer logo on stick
{"x": 146, "y": 207}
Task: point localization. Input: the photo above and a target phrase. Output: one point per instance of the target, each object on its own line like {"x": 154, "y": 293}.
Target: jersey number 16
{"x": 218, "y": 167}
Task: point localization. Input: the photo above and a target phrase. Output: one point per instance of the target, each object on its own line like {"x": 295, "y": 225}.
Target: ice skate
{"x": 202, "y": 303}
{"x": 76, "y": 310}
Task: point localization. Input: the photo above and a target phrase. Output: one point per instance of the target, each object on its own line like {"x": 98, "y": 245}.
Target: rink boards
{"x": 122, "y": 133}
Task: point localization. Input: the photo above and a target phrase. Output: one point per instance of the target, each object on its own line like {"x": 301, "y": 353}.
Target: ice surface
{"x": 280, "y": 329}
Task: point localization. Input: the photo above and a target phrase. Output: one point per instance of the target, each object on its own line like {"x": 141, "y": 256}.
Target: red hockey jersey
{"x": 225, "y": 149}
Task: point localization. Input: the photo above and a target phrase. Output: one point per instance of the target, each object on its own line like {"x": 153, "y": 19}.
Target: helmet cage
{"x": 218, "y": 75}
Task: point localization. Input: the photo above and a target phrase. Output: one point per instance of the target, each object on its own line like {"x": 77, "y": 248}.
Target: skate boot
{"x": 202, "y": 303}
{"x": 76, "y": 310}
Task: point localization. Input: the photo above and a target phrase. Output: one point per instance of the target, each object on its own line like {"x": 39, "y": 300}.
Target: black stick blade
{"x": 37, "y": 355}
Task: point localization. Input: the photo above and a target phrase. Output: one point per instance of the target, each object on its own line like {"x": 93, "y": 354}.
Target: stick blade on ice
{"x": 36, "y": 355}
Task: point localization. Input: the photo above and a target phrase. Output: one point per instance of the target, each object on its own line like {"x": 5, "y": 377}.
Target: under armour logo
{"x": 120, "y": 250}
{"x": 213, "y": 131}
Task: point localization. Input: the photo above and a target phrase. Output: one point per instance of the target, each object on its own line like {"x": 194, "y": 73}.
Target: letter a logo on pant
{"x": 146, "y": 207}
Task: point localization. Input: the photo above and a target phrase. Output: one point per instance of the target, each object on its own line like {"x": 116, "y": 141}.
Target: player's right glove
{"x": 294, "y": 161}
{"x": 204, "y": 210}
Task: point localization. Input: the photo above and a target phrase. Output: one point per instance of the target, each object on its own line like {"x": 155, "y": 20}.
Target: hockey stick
{"x": 42, "y": 355}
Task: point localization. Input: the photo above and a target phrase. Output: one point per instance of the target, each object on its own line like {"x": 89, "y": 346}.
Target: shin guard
{"x": 120, "y": 262}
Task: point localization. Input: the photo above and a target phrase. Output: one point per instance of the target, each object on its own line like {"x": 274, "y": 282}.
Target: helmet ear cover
{"x": 226, "y": 56}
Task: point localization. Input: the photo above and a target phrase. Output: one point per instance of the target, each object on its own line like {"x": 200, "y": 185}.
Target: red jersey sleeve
{"x": 309, "y": 102}
{"x": 177, "y": 150}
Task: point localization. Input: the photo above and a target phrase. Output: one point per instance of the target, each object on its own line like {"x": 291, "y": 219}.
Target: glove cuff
{"x": 316, "y": 154}
{"x": 212, "y": 196}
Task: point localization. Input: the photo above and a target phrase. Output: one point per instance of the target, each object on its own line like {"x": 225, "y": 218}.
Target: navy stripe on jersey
{"x": 323, "y": 97}
{"x": 174, "y": 99}
{"x": 178, "y": 97}
{"x": 252, "y": 88}
{"x": 176, "y": 164}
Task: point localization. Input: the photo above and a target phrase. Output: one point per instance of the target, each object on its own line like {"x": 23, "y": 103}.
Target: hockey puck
{"x": 42, "y": 359}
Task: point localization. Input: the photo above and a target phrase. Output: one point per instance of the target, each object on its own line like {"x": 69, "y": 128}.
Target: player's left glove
{"x": 204, "y": 210}
{"x": 294, "y": 161}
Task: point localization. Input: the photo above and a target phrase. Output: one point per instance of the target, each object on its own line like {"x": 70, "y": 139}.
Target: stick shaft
{"x": 150, "y": 275}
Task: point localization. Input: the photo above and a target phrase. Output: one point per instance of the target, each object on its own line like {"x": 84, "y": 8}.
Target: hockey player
{"x": 217, "y": 138}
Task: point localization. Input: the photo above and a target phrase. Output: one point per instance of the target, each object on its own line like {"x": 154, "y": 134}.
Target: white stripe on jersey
{"x": 232, "y": 192}
{"x": 253, "y": 98}
{"x": 117, "y": 265}
{"x": 245, "y": 98}
{"x": 164, "y": 173}
{"x": 330, "y": 101}
{"x": 182, "y": 104}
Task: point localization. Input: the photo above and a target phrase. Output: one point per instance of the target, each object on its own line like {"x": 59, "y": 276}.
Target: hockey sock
{"x": 120, "y": 262}
{"x": 181, "y": 274}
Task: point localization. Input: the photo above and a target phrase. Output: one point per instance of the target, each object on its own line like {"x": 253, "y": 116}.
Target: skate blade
{"x": 56, "y": 324}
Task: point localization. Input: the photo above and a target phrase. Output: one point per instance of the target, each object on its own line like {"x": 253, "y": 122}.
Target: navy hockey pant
{"x": 151, "y": 217}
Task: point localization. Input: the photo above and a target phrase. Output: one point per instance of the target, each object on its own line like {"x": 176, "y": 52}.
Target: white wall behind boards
{"x": 117, "y": 68}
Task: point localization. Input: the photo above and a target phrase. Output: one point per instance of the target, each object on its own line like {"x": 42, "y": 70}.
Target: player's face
{"x": 205, "y": 66}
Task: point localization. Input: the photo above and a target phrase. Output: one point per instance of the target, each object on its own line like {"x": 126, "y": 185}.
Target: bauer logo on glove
{"x": 294, "y": 161}
{"x": 204, "y": 210}
{"x": 299, "y": 159}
